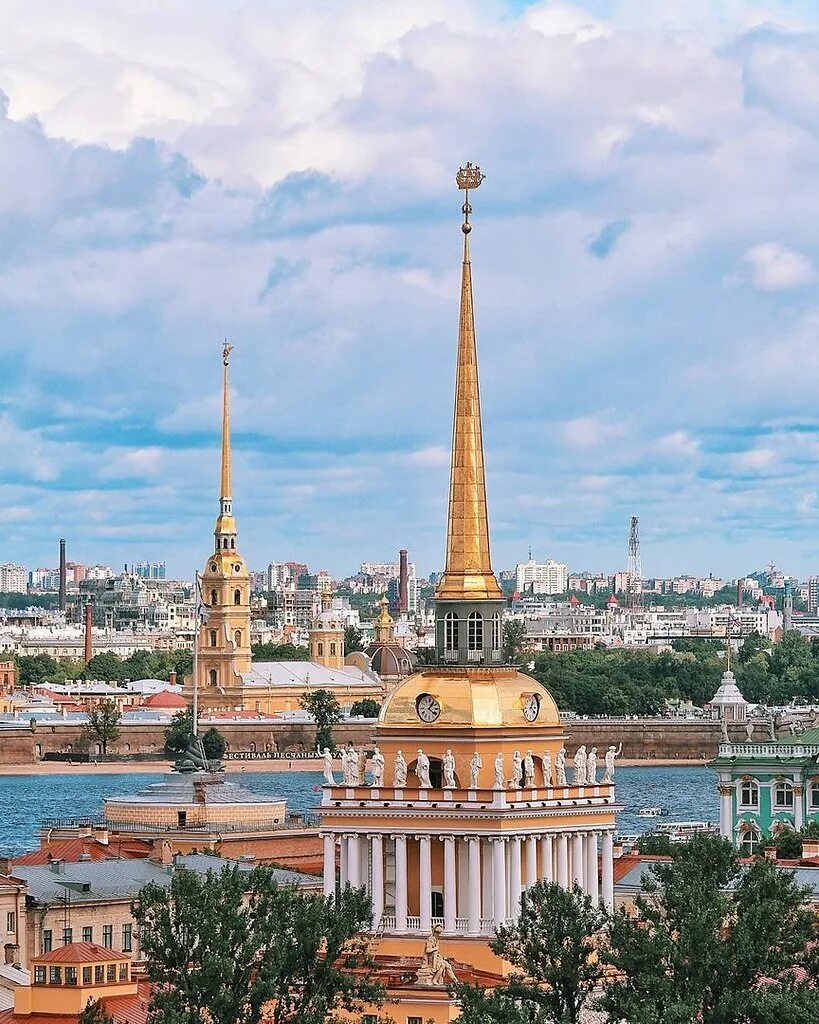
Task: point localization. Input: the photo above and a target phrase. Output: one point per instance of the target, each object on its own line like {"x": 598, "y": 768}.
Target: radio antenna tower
{"x": 635, "y": 569}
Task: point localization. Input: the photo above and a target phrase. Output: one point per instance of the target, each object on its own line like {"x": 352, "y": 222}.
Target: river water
{"x": 687, "y": 793}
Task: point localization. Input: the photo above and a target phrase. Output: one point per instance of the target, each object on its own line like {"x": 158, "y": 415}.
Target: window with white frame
{"x": 749, "y": 794}
{"x": 783, "y": 794}
{"x": 814, "y": 796}
{"x": 475, "y": 631}
{"x": 749, "y": 841}
{"x": 451, "y": 631}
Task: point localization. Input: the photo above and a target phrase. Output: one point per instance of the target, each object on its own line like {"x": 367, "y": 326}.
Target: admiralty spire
{"x": 468, "y": 574}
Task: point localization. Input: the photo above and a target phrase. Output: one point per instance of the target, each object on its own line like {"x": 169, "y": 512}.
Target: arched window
{"x": 213, "y": 677}
{"x": 749, "y": 794}
{"x": 213, "y": 638}
{"x": 237, "y": 597}
{"x": 475, "y": 631}
{"x": 451, "y": 631}
{"x": 320, "y": 648}
{"x": 332, "y": 648}
{"x": 814, "y": 796}
{"x": 232, "y": 543}
{"x": 237, "y": 637}
{"x": 783, "y": 794}
{"x": 496, "y": 631}
{"x": 749, "y": 840}
{"x": 214, "y": 597}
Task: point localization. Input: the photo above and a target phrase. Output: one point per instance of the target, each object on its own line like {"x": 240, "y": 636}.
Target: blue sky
{"x": 646, "y": 260}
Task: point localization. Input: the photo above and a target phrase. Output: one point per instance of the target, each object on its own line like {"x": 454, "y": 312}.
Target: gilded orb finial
{"x": 467, "y": 178}
{"x": 226, "y": 350}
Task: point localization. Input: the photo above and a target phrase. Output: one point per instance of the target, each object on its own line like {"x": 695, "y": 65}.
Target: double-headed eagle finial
{"x": 467, "y": 178}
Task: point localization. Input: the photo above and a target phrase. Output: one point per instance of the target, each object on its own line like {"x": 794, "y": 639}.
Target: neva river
{"x": 687, "y": 793}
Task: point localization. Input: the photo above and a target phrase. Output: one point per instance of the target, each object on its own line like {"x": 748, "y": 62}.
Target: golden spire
{"x": 225, "y": 531}
{"x": 468, "y": 574}
{"x": 226, "y": 488}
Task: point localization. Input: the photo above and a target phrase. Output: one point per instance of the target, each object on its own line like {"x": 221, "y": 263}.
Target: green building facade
{"x": 766, "y": 787}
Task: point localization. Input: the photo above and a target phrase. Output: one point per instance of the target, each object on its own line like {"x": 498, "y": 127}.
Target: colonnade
{"x": 483, "y": 877}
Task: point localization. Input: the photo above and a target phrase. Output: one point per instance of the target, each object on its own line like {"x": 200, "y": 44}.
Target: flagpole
{"x": 196, "y": 654}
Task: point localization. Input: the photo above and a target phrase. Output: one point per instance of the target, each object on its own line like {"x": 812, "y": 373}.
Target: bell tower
{"x": 224, "y": 640}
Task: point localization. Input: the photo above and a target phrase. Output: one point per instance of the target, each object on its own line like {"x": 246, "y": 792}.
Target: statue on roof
{"x": 435, "y": 970}
{"x": 400, "y": 770}
{"x": 475, "y": 766}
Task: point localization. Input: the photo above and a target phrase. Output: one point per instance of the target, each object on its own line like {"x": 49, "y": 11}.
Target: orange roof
{"x": 70, "y": 850}
{"x": 123, "y": 1010}
{"x": 165, "y": 699}
{"x": 80, "y": 953}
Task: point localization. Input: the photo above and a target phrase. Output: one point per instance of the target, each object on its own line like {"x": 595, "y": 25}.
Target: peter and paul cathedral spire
{"x": 225, "y": 532}
{"x": 224, "y": 640}
{"x": 468, "y": 631}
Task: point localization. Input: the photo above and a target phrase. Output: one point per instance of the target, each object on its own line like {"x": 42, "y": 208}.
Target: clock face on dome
{"x": 427, "y": 707}
{"x": 531, "y": 706}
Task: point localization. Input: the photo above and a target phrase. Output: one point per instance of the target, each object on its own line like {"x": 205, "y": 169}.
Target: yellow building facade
{"x": 467, "y": 801}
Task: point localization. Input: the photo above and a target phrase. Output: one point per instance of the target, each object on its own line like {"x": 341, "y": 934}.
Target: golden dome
{"x": 480, "y": 698}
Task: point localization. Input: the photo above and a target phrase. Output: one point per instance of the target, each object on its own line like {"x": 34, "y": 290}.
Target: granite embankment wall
{"x": 641, "y": 738}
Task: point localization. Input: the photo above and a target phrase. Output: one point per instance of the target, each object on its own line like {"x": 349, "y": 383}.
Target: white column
{"x": 400, "y": 883}
{"x": 515, "y": 887}
{"x": 563, "y": 860}
{"x": 592, "y": 887}
{"x": 725, "y": 794}
{"x": 474, "y": 924}
{"x": 377, "y": 852}
{"x": 798, "y": 806}
{"x": 546, "y": 860}
{"x": 354, "y": 861}
{"x": 486, "y": 879}
{"x": 345, "y": 870}
{"x": 462, "y": 885}
{"x": 608, "y": 870}
{"x": 424, "y": 884}
{"x": 499, "y": 881}
{"x": 531, "y": 860}
{"x": 329, "y": 865}
{"x": 577, "y": 858}
{"x": 449, "y": 884}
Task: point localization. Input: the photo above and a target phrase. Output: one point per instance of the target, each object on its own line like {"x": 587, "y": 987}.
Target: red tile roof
{"x": 123, "y": 1010}
{"x": 165, "y": 699}
{"x": 70, "y": 850}
{"x": 80, "y": 953}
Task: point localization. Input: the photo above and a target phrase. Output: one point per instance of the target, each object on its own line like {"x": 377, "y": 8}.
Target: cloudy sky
{"x": 646, "y": 262}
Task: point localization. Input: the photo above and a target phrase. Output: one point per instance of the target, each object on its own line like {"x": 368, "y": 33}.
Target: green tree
{"x": 234, "y": 941}
{"x": 753, "y": 644}
{"x": 105, "y": 666}
{"x": 655, "y": 844}
{"x": 704, "y": 934}
{"x": 279, "y": 652}
{"x": 214, "y": 744}
{"x": 103, "y": 723}
{"x": 553, "y": 949}
{"x": 515, "y": 644}
{"x": 34, "y": 669}
{"x": 326, "y": 712}
{"x": 353, "y": 640}
{"x": 179, "y": 732}
{"x": 94, "y": 1012}
{"x": 367, "y": 708}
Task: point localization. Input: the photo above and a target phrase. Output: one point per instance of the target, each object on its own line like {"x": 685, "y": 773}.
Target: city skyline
{"x": 658, "y": 293}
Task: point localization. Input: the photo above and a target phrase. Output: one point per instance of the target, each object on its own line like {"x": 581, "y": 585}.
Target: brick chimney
{"x": 88, "y": 652}
{"x": 172, "y": 677}
{"x": 810, "y": 849}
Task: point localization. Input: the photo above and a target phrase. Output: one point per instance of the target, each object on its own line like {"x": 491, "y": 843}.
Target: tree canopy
{"x": 279, "y": 652}
{"x": 326, "y": 713}
{"x": 235, "y": 941}
{"x": 103, "y": 723}
{"x": 711, "y": 942}
{"x": 353, "y": 640}
{"x": 367, "y": 708}
{"x": 553, "y": 949}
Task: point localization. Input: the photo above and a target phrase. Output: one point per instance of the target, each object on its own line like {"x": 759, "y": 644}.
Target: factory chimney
{"x": 62, "y": 574}
{"x": 403, "y": 573}
{"x": 740, "y": 592}
{"x": 89, "y": 619}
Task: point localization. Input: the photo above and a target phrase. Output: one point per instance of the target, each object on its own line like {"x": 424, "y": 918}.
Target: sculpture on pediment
{"x": 529, "y": 770}
{"x": 610, "y": 758}
{"x": 580, "y": 766}
{"x": 448, "y": 770}
{"x": 517, "y": 771}
{"x": 560, "y": 767}
{"x": 475, "y": 766}
{"x": 377, "y": 763}
{"x": 499, "y": 772}
{"x": 422, "y": 769}
{"x": 327, "y": 756}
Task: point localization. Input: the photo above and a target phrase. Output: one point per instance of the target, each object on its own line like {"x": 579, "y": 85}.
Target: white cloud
{"x": 680, "y": 443}
{"x": 432, "y": 455}
{"x": 756, "y": 459}
{"x": 776, "y": 268}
